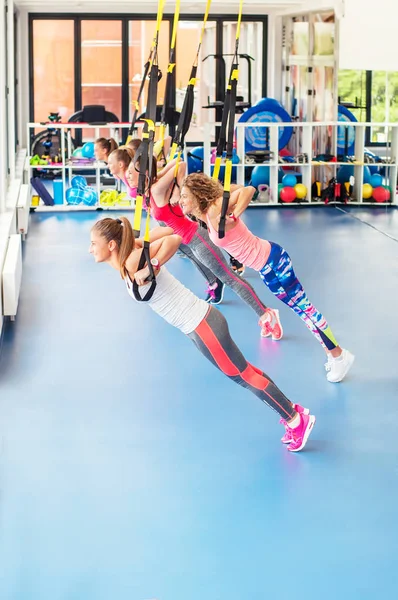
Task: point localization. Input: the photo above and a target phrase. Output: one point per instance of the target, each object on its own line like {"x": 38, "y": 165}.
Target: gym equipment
{"x": 288, "y": 194}
{"x": 345, "y": 135}
{"x": 367, "y": 191}
{"x": 42, "y": 191}
{"x": 289, "y": 180}
{"x": 78, "y": 181}
{"x": 376, "y": 180}
{"x": 301, "y": 191}
{"x": 266, "y": 110}
{"x": 88, "y": 150}
{"x": 381, "y": 194}
{"x": 346, "y": 171}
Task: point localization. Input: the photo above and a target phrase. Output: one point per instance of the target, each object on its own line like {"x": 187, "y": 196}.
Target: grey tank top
{"x": 173, "y": 302}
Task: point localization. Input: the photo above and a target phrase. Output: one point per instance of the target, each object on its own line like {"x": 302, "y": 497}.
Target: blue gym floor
{"x": 131, "y": 469}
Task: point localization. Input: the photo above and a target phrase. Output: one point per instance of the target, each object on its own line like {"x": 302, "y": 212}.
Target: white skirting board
{"x": 12, "y": 276}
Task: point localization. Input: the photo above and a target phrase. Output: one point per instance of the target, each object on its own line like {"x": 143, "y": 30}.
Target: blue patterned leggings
{"x": 280, "y": 278}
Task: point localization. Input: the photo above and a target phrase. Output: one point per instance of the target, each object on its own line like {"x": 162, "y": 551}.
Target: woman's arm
{"x": 240, "y": 199}
{"x": 166, "y": 169}
{"x": 162, "y": 249}
{"x": 162, "y": 185}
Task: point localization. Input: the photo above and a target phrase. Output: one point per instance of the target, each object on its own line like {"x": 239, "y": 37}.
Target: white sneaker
{"x": 337, "y": 368}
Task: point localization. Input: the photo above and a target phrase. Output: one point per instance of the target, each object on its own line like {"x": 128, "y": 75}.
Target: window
{"x": 53, "y": 68}
{"x": 371, "y": 96}
{"x": 140, "y": 40}
{"x": 188, "y": 35}
{"x": 352, "y": 92}
{"x": 384, "y": 105}
{"x": 101, "y": 57}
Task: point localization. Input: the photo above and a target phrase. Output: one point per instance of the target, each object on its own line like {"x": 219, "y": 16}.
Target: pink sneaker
{"x": 287, "y": 438}
{"x": 301, "y": 433}
{"x": 271, "y": 324}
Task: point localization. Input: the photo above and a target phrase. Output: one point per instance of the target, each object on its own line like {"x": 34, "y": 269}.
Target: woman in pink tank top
{"x": 197, "y": 246}
{"x": 202, "y": 196}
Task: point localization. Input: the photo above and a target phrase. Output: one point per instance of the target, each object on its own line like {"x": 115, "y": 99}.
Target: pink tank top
{"x": 173, "y": 217}
{"x": 242, "y": 244}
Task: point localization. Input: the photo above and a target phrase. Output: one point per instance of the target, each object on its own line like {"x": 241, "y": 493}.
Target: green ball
{"x": 280, "y": 188}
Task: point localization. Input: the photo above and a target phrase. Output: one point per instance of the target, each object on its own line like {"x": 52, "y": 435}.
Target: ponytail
{"x": 121, "y": 232}
{"x": 123, "y": 154}
{"x": 109, "y": 145}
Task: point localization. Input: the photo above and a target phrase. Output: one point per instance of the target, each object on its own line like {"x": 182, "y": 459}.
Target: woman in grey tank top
{"x": 112, "y": 241}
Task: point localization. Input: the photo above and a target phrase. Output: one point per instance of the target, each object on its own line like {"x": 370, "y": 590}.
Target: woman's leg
{"x": 213, "y": 339}
{"x": 213, "y": 258}
{"x": 279, "y": 276}
{"x": 203, "y": 269}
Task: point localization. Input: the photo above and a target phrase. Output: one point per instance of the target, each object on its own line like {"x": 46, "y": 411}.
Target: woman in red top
{"x": 196, "y": 244}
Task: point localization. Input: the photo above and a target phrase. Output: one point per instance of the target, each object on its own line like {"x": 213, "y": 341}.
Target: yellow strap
{"x": 137, "y": 214}
{"x": 192, "y": 81}
{"x": 173, "y": 150}
{"x": 217, "y": 166}
{"x": 151, "y": 125}
{"x": 239, "y": 20}
{"x": 170, "y": 68}
{"x": 228, "y": 175}
{"x": 147, "y": 225}
{"x": 177, "y": 164}
{"x": 175, "y": 25}
{"x": 205, "y": 21}
{"x": 235, "y": 74}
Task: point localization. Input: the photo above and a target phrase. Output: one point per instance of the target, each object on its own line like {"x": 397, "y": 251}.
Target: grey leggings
{"x": 213, "y": 263}
{"x": 214, "y": 341}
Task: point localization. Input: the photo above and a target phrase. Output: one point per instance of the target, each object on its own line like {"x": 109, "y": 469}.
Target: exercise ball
{"x": 301, "y": 191}
{"x": 74, "y": 195}
{"x": 78, "y": 153}
{"x": 347, "y": 171}
{"x": 195, "y": 160}
{"x": 88, "y": 150}
{"x": 381, "y": 194}
{"x": 288, "y": 194}
{"x": 289, "y": 180}
{"x": 367, "y": 191}
{"x": 376, "y": 180}
{"x": 78, "y": 181}
{"x": 260, "y": 175}
{"x": 89, "y": 196}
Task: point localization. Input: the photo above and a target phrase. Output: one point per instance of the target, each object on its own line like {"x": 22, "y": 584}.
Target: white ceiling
{"x": 150, "y": 6}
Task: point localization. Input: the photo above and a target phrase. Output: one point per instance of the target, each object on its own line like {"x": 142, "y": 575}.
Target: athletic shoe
{"x": 287, "y": 438}
{"x": 271, "y": 325}
{"x": 237, "y": 266}
{"x": 301, "y": 433}
{"x": 337, "y": 368}
{"x": 215, "y": 292}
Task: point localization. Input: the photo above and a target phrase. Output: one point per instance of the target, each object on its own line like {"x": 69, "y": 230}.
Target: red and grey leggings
{"x": 213, "y": 339}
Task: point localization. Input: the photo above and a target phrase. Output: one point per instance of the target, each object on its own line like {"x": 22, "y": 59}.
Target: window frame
{"x": 125, "y": 18}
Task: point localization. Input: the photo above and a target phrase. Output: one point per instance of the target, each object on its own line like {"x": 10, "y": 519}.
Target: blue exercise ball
{"x": 347, "y": 171}
{"x": 89, "y": 196}
{"x": 74, "y": 195}
{"x": 376, "y": 180}
{"x": 289, "y": 180}
{"x": 79, "y": 181}
{"x": 260, "y": 176}
{"x": 195, "y": 160}
{"x": 88, "y": 150}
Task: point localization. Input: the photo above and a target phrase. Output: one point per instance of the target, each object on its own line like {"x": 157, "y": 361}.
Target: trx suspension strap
{"x": 144, "y": 156}
{"x": 147, "y": 67}
{"x": 226, "y": 138}
{"x": 187, "y": 107}
{"x": 164, "y": 121}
